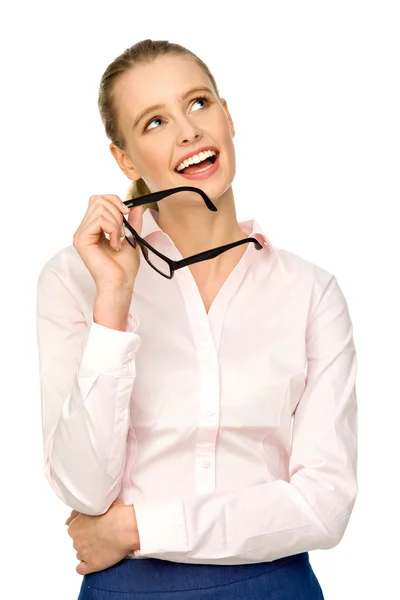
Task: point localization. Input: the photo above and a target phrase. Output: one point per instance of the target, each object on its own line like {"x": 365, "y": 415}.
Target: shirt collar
{"x": 251, "y": 228}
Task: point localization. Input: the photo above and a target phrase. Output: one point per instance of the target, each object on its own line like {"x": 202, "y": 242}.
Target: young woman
{"x": 198, "y": 383}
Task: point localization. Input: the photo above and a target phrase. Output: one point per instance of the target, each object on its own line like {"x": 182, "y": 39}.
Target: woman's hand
{"x": 109, "y": 266}
{"x": 104, "y": 540}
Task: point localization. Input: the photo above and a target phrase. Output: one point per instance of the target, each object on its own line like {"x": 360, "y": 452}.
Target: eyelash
{"x": 160, "y": 119}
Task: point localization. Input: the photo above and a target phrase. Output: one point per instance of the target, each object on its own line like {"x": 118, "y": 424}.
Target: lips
{"x": 203, "y": 173}
{"x": 194, "y": 152}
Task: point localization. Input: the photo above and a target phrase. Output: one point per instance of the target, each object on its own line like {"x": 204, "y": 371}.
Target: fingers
{"x": 102, "y": 203}
{"x": 106, "y": 209}
{"x": 84, "y": 569}
{"x": 111, "y": 199}
{"x": 109, "y": 220}
{"x": 92, "y": 230}
{"x": 72, "y": 516}
{"x": 104, "y": 214}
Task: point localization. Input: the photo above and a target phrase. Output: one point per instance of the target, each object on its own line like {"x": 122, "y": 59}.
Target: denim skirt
{"x": 288, "y": 578}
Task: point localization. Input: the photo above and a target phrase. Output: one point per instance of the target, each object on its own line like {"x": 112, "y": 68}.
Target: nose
{"x": 187, "y": 131}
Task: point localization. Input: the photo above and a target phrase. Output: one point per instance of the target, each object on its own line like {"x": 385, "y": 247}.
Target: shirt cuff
{"x": 109, "y": 351}
{"x": 161, "y": 528}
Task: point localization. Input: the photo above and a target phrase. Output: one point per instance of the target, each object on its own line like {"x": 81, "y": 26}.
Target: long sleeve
{"x": 87, "y": 373}
{"x": 280, "y": 518}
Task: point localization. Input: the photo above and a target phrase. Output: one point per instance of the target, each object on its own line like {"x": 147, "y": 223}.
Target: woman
{"x": 200, "y": 417}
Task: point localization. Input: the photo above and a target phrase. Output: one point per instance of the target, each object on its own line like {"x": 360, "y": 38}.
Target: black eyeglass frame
{"x": 184, "y": 262}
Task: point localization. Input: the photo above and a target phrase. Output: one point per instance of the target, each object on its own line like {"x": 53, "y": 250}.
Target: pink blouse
{"x": 233, "y": 432}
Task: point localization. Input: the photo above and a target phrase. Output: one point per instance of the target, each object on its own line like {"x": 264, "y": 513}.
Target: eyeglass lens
{"x": 155, "y": 261}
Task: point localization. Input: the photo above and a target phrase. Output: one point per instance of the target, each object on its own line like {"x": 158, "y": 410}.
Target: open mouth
{"x": 197, "y": 167}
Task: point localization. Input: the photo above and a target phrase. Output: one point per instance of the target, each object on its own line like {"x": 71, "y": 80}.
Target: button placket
{"x": 208, "y": 422}
{"x": 205, "y": 473}
{"x": 208, "y": 392}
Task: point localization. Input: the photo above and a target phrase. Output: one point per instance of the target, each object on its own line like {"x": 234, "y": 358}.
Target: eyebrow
{"x": 158, "y": 106}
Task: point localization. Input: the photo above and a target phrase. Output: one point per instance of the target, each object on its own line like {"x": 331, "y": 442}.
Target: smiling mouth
{"x": 198, "y": 167}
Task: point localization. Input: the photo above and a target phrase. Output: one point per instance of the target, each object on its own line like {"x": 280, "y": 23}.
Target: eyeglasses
{"x": 164, "y": 265}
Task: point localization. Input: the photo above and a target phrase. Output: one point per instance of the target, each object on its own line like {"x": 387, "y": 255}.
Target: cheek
{"x": 153, "y": 160}
{"x": 225, "y": 132}
{"x": 228, "y": 142}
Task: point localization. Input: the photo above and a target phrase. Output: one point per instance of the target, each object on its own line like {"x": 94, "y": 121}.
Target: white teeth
{"x": 195, "y": 159}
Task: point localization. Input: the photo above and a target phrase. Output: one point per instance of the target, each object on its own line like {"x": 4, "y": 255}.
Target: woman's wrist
{"x": 111, "y": 308}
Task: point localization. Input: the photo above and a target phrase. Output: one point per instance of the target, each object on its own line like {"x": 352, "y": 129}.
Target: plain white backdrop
{"x": 313, "y": 88}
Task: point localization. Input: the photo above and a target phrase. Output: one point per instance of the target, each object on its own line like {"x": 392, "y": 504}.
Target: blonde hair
{"x": 142, "y": 52}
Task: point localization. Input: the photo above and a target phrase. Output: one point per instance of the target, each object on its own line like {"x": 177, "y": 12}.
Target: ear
{"x": 228, "y": 114}
{"x": 124, "y": 162}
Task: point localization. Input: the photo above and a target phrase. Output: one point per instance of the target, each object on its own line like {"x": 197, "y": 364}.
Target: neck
{"x": 194, "y": 228}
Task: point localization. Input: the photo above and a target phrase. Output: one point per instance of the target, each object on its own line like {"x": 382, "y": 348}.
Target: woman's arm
{"x": 87, "y": 373}
{"x": 280, "y": 518}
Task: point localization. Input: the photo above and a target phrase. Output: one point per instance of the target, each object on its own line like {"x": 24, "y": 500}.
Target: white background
{"x": 313, "y": 88}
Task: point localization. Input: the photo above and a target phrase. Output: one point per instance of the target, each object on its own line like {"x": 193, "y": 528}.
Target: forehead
{"x": 159, "y": 82}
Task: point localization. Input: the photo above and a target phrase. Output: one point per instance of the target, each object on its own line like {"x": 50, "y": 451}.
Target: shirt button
{"x": 130, "y": 354}
{"x": 206, "y": 464}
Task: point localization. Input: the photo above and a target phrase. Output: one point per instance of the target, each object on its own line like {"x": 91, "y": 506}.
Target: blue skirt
{"x": 288, "y": 578}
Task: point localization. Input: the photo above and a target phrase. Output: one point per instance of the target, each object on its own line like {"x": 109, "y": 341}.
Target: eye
{"x": 147, "y": 126}
{"x": 202, "y": 99}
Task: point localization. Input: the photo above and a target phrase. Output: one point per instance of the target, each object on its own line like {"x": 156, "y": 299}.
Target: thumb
{"x": 135, "y": 218}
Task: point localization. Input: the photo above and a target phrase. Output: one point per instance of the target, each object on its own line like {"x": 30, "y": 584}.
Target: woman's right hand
{"x": 109, "y": 267}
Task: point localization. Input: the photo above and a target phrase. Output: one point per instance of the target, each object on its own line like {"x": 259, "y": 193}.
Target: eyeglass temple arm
{"x": 207, "y": 254}
{"x": 157, "y": 196}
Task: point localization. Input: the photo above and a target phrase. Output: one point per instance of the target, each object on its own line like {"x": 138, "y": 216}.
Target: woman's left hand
{"x": 103, "y": 540}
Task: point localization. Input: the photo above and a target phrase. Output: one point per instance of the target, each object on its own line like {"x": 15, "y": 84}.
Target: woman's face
{"x": 190, "y": 119}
